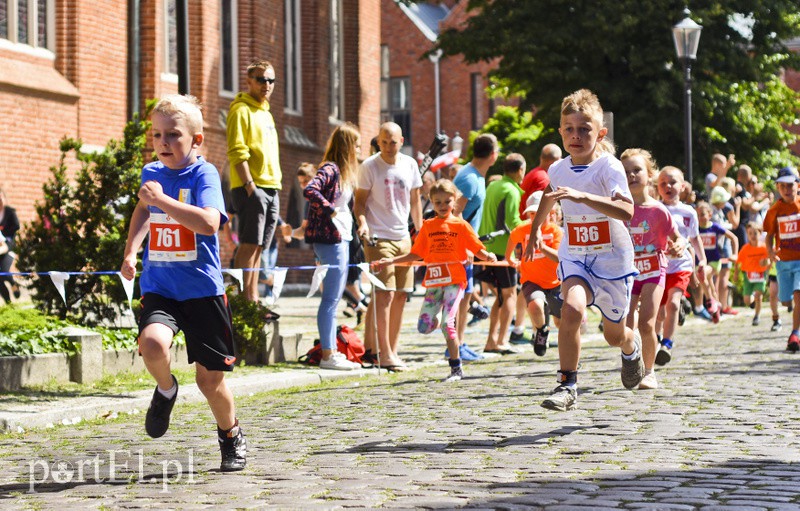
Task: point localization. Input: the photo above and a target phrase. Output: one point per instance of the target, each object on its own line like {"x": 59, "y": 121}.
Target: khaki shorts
{"x": 395, "y": 278}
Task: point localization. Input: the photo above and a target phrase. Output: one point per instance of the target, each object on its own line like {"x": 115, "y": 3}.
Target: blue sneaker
{"x": 468, "y": 354}
{"x": 704, "y": 314}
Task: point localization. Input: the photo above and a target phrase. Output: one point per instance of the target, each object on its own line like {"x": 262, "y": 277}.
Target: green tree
{"x": 81, "y": 225}
{"x": 623, "y": 51}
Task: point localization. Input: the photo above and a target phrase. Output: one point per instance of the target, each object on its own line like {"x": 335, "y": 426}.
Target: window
{"x": 293, "y": 57}
{"x": 170, "y": 37}
{"x": 229, "y": 63}
{"x": 477, "y": 93}
{"x": 399, "y": 106}
{"x": 28, "y": 22}
{"x": 337, "y": 61}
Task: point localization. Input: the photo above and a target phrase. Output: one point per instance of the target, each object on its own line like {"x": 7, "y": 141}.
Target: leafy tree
{"x": 82, "y": 224}
{"x": 623, "y": 51}
{"x": 516, "y": 132}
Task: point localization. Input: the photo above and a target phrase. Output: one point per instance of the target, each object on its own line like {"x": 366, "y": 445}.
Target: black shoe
{"x": 156, "y": 423}
{"x": 234, "y": 452}
{"x": 517, "y": 338}
{"x": 539, "y": 341}
{"x": 684, "y": 310}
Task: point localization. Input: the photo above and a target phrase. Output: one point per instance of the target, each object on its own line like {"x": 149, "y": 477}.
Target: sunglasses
{"x": 262, "y": 80}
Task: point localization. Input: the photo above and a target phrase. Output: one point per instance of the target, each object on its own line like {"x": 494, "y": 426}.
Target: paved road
{"x": 720, "y": 433}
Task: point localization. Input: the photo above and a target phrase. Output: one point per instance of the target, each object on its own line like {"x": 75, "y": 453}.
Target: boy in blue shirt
{"x": 181, "y": 209}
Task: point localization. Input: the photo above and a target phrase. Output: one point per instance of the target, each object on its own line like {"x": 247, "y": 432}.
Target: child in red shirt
{"x": 443, "y": 243}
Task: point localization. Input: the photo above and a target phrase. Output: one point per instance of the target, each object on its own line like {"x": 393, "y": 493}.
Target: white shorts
{"x": 612, "y": 297}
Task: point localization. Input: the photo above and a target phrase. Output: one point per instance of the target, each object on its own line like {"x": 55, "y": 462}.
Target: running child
{"x": 753, "y": 261}
{"x": 596, "y": 255}
{"x": 679, "y": 269}
{"x": 443, "y": 242}
{"x": 180, "y": 208}
{"x": 715, "y": 239}
{"x": 541, "y": 287}
{"x": 654, "y": 234}
{"x": 782, "y": 224}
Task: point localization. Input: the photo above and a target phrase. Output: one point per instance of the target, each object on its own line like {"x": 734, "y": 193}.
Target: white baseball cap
{"x": 533, "y": 202}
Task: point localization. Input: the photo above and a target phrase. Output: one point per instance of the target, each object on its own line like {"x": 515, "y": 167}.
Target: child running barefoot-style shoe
{"x": 664, "y": 353}
{"x": 793, "y": 346}
{"x": 233, "y": 447}
{"x": 563, "y": 398}
{"x": 539, "y": 341}
{"x": 632, "y": 370}
{"x": 776, "y": 324}
{"x": 156, "y": 422}
{"x": 649, "y": 382}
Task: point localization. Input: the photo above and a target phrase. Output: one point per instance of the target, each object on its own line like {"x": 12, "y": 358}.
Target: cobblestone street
{"x": 720, "y": 433}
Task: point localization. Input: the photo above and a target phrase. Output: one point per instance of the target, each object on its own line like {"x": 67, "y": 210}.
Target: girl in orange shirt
{"x": 443, "y": 243}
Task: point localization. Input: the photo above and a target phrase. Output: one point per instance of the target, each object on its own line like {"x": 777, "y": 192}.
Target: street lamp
{"x": 687, "y": 38}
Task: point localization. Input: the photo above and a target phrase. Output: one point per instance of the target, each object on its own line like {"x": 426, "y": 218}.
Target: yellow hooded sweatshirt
{"x": 252, "y": 137}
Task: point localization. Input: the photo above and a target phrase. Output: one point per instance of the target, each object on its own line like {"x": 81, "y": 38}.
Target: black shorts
{"x": 501, "y": 277}
{"x": 551, "y": 297}
{"x": 206, "y": 323}
{"x": 257, "y": 214}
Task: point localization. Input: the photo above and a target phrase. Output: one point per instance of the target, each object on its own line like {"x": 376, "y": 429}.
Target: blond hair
{"x": 585, "y": 102}
{"x": 341, "y": 150}
{"x": 306, "y": 169}
{"x": 673, "y": 171}
{"x": 263, "y": 65}
{"x": 444, "y": 186}
{"x": 183, "y": 107}
{"x": 644, "y": 154}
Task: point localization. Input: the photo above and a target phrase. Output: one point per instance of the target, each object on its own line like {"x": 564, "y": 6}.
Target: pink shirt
{"x": 650, "y": 228}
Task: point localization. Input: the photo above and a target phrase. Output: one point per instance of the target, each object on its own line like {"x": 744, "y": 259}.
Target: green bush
{"x": 248, "y": 320}
{"x": 81, "y": 226}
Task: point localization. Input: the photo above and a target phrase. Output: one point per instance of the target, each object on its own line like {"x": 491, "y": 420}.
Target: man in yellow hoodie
{"x": 255, "y": 170}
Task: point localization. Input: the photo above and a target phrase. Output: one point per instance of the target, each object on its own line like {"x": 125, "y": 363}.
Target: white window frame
{"x": 234, "y": 52}
{"x": 293, "y": 72}
{"x": 166, "y": 74}
{"x": 337, "y": 105}
{"x": 32, "y": 46}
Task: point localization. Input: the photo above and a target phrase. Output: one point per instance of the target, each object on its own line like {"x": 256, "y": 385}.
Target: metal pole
{"x": 182, "y": 18}
{"x": 687, "y": 119}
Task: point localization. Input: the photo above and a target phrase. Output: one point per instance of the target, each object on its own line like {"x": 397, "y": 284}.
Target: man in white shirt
{"x": 388, "y": 190}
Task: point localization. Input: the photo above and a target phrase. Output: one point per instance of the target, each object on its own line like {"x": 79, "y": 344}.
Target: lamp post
{"x": 686, "y": 35}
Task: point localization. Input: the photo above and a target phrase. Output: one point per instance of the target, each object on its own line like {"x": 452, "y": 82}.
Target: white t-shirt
{"x": 344, "y": 217}
{"x": 686, "y": 218}
{"x": 599, "y": 243}
{"x": 389, "y": 201}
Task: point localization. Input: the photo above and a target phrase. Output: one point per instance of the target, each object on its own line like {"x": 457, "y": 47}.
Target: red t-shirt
{"x": 783, "y": 221}
{"x": 445, "y": 241}
{"x": 535, "y": 180}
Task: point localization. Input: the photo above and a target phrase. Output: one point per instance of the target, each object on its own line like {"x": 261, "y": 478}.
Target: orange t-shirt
{"x": 540, "y": 269}
{"x": 749, "y": 260}
{"x": 783, "y": 221}
{"x": 445, "y": 241}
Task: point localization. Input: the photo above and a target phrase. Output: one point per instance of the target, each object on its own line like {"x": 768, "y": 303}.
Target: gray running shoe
{"x": 633, "y": 370}
{"x": 663, "y": 355}
{"x": 562, "y": 398}
{"x": 776, "y": 325}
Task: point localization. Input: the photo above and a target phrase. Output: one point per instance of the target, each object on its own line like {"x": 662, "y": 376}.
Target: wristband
{"x": 248, "y": 183}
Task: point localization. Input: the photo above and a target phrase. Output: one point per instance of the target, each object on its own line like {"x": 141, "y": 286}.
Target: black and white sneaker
{"x": 156, "y": 422}
{"x": 562, "y": 398}
{"x": 539, "y": 341}
{"x": 234, "y": 452}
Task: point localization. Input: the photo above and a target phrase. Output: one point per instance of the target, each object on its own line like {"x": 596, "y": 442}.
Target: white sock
{"x": 518, "y": 330}
{"x": 170, "y": 393}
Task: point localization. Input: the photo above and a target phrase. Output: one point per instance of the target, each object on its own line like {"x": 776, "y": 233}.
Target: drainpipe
{"x": 182, "y": 15}
{"x": 435, "y": 59}
{"x": 134, "y": 58}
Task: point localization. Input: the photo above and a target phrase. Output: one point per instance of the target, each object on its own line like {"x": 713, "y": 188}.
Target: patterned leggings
{"x": 436, "y": 299}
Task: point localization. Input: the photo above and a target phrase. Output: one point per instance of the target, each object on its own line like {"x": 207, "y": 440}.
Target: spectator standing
{"x": 9, "y": 225}
{"x": 255, "y": 170}
{"x": 537, "y": 179}
{"x": 388, "y": 190}
{"x": 330, "y": 230}
{"x": 719, "y": 169}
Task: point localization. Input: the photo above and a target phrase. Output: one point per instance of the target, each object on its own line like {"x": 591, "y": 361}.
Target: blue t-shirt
{"x": 713, "y": 238}
{"x": 178, "y": 263}
{"x": 472, "y": 186}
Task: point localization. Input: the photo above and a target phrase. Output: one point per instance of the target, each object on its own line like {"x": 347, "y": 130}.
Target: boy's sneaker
{"x": 478, "y": 311}
{"x": 562, "y": 398}
{"x": 649, "y": 382}
{"x": 517, "y": 338}
{"x": 756, "y": 321}
{"x": 156, "y": 422}
{"x": 539, "y": 341}
{"x": 632, "y": 371}
{"x": 338, "y": 362}
{"x": 456, "y": 374}
{"x": 234, "y": 452}
{"x": 703, "y": 314}
{"x": 663, "y": 355}
{"x": 793, "y": 346}
{"x": 776, "y": 325}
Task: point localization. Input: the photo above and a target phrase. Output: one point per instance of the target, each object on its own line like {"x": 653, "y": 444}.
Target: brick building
{"x": 409, "y": 79}
{"x": 70, "y": 69}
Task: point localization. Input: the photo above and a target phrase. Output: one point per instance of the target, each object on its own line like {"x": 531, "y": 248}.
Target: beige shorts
{"x": 395, "y": 278}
